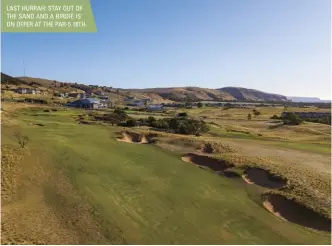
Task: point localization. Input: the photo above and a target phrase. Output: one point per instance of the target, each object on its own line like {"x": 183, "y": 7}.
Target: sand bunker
{"x": 131, "y": 137}
{"x": 296, "y": 213}
{"x": 263, "y": 178}
{"x": 206, "y": 161}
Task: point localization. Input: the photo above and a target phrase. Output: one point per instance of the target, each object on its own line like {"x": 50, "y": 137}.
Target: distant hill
{"x": 242, "y": 94}
{"x": 159, "y": 95}
{"x": 43, "y": 82}
{"x": 6, "y": 79}
{"x": 187, "y": 93}
{"x": 306, "y": 99}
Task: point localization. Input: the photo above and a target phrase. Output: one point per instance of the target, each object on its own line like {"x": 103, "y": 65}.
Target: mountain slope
{"x": 188, "y": 93}
{"x": 6, "y": 79}
{"x": 304, "y": 99}
{"x": 177, "y": 94}
{"x": 252, "y": 95}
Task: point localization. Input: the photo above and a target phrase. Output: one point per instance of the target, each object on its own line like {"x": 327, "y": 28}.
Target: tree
{"x": 151, "y": 119}
{"x": 131, "y": 122}
{"x": 197, "y": 127}
{"x": 160, "y": 123}
{"x": 291, "y": 119}
{"x": 249, "y": 116}
{"x": 256, "y": 112}
{"x": 200, "y": 105}
{"x": 22, "y": 140}
{"x": 184, "y": 114}
{"x": 120, "y": 114}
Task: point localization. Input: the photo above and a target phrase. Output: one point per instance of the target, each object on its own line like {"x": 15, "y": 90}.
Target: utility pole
{"x": 23, "y": 68}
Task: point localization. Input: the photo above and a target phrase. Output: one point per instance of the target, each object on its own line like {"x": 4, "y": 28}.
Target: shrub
{"x": 163, "y": 124}
{"x": 116, "y": 117}
{"x": 324, "y": 120}
{"x": 275, "y": 117}
{"x": 291, "y": 119}
{"x": 200, "y": 105}
{"x": 22, "y": 140}
{"x": 46, "y": 110}
{"x": 131, "y": 122}
{"x": 151, "y": 119}
{"x": 182, "y": 126}
{"x": 184, "y": 114}
{"x": 54, "y": 109}
{"x": 256, "y": 112}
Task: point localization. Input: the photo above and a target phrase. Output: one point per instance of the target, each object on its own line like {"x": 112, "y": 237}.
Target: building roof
{"x": 155, "y": 106}
{"x": 87, "y": 101}
{"x": 93, "y": 100}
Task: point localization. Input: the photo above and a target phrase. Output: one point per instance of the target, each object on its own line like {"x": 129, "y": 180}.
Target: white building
{"x": 155, "y": 107}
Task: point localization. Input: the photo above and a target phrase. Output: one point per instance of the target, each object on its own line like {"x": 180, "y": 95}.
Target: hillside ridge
{"x": 159, "y": 94}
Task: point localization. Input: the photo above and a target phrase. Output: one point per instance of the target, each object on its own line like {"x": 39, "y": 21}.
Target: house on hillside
{"x": 147, "y": 100}
{"x": 104, "y": 97}
{"x": 77, "y": 95}
{"x": 61, "y": 94}
{"x": 155, "y": 107}
{"x": 20, "y": 90}
{"x": 135, "y": 103}
{"x": 100, "y": 93}
{"x": 27, "y": 91}
{"x": 89, "y": 103}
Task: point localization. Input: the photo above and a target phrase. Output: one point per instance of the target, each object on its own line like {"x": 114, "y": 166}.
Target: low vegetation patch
{"x": 178, "y": 125}
{"x": 324, "y": 120}
{"x": 291, "y": 119}
{"x": 215, "y": 147}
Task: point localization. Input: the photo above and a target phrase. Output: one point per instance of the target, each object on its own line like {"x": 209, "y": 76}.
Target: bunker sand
{"x": 294, "y": 212}
{"x": 263, "y": 178}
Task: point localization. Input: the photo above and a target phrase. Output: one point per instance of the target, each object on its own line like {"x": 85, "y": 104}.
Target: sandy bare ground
{"x": 128, "y": 138}
{"x": 246, "y": 179}
{"x": 270, "y": 208}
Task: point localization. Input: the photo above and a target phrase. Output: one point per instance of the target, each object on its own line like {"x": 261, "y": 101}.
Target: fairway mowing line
{"x": 133, "y": 161}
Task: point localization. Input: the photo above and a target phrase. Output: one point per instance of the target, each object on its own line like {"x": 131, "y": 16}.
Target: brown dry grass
{"x": 46, "y": 200}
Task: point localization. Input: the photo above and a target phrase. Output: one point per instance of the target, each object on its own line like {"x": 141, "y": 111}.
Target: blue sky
{"x": 279, "y": 46}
